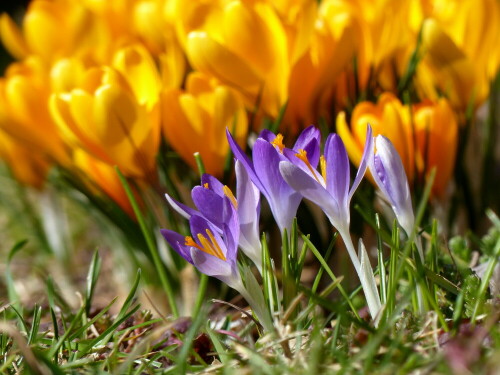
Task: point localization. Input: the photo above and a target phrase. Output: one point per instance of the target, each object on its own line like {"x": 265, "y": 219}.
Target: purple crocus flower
{"x": 209, "y": 199}
{"x": 389, "y": 174}
{"x": 211, "y": 249}
{"x": 263, "y": 169}
{"x": 330, "y": 188}
{"x": 330, "y": 191}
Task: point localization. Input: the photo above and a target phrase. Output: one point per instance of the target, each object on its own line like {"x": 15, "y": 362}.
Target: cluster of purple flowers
{"x": 222, "y": 222}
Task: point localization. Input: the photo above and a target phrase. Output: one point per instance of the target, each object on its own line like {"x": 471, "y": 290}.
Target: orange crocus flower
{"x": 424, "y": 135}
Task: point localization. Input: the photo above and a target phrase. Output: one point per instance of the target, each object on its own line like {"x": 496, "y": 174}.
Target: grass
{"x": 320, "y": 327}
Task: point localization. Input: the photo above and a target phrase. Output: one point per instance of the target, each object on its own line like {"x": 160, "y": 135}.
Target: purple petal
{"x": 182, "y": 209}
{"x": 176, "y": 241}
{"x": 309, "y": 140}
{"x": 248, "y": 212}
{"x": 211, "y": 266}
{"x": 267, "y": 135}
{"x": 310, "y": 189}
{"x": 230, "y": 229}
{"x": 240, "y": 155}
{"x": 292, "y": 156}
{"x": 210, "y": 204}
{"x": 365, "y": 161}
{"x": 337, "y": 169}
{"x": 282, "y": 199}
{"x": 389, "y": 174}
{"x": 213, "y": 184}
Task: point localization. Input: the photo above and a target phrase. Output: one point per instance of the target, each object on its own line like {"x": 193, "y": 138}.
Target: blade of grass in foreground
{"x": 330, "y": 273}
{"x": 166, "y": 284}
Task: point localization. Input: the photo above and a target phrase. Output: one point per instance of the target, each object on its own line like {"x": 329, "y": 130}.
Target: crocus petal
{"x": 282, "y": 199}
{"x": 310, "y": 189}
{"x": 230, "y": 230}
{"x": 212, "y": 266}
{"x": 309, "y": 141}
{"x": 337, "y": 169}
{"x": 248, "y": 214}
{"x": 365, "y": 159}
{"x": 209, "y": 203}
{"x": 182, "y": 209}
{"x": 267, "y": 135}
{"x": 210, "y": 57}
{"x": 240, "y": 155}
{"x": 389, "y": 174}
{"x": 213, "y": 184}
{"x": 176, "y": 241}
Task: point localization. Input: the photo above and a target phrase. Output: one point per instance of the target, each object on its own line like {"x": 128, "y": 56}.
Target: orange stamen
{"x": 216, "y": 245}
{"x": 228, "y": 193}
{"x": 302, "y": 155}
{"x": 278, "y": 142}
{"x": 211, "y": 247}
{"x": 206, "y": 246}
{"x": 205, "y": 185}
{"x": 190, "y": 242}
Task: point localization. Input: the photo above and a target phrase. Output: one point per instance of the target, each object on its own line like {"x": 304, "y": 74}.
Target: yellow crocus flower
{"x": 447, "y": 68}
{"x": 56, "y": 29}
{"x": 425, "y": 136}
{"x": 195, "y": 120}
{"x": 229, "y": 51}
{"x": 24, "y": 114}
{"x": 315, "y": 74}
{"x": 101, "y": 177}
{"x": 384, "y": 39}
{"x": 436, "y": 133}
{"x": 113, "y": 115}
{"x": 469, "y": 32}
{"x": 28, "y": 167}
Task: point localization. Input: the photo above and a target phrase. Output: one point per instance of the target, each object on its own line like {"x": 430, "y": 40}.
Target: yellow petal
{"x": 210, "y": 57}
{"x": 225, "y": 115}
{"x": 243, "y": 27}
{"x": 436, "y": 129}
{"x": 28, "y": 167}
{"x": 352, "y": 146}
{"x": 114, "y": 114}
{"x": 66, "y": 74}
{"x": 148, "y": 21}
{"x": 42, "y": 29}
{"x": 172, "y": 66}
{"x": 11, "y": 37}
{"x": 77, "y": 132}
{"x": 438, "y": 45}
{"x": 104, "y": 176}
{"x": 139, "y": 69}
{"x": 176, "y": 127}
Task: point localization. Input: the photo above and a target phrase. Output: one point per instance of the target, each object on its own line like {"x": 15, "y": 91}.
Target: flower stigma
{"x": 278, "y": 142}
{"x": 302, "y": 155}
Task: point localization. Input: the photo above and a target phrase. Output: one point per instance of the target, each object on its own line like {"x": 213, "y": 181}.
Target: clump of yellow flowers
{"x": 99, "y": 83}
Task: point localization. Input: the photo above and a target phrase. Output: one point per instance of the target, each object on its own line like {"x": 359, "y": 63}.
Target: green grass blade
{"x": 330, "y": 273}
{"x": 166, "y": 284}
{"x": 92, "y": 276}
